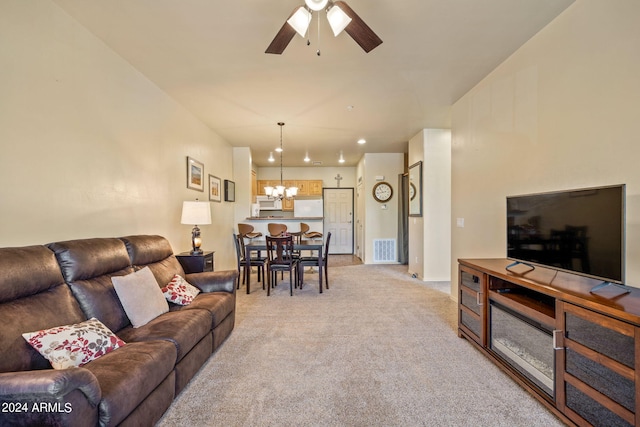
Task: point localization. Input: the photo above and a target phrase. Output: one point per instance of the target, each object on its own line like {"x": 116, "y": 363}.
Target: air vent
{"x": 384, "y": 250}
{"x": 316, "y": 163}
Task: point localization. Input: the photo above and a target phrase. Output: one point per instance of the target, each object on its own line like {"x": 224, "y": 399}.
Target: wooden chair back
{"x": 280, "y": 250}
{"x": 276, "y": 229}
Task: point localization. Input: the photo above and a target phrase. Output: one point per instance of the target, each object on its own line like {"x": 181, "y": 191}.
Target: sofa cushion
{"x": 140, "y": 296}
{"x": 219, "y": 304}
{"x": 27, "y": 271}
{"x": 154, "y": 252}
{"x": 41, "y": 311}
{"x": 88, "y": 258}
{"x": 129, "y": 375}
{"x": 88, "y": 267}
{"x": 182, "y": 328}
{"x": 74, "y": 345}
{"x": 31, "y": 283}
{"x": 179, "y": 291}
{"x": 145, "y": 250}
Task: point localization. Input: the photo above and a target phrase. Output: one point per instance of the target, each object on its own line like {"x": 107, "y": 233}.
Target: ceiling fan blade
{"x": 283, "y": 38}
{"x": 358, "y": 30}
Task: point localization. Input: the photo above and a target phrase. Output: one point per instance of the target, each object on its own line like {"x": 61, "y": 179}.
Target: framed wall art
{"x": 195, "y": 174}
{"x": 215, "y": 189}
{"x": 229, "y": 191}
{"x": 415, "y": 189}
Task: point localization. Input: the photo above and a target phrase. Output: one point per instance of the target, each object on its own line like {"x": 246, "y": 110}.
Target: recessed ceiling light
{"x": 278, "y": 149}
{"x": 362, "y": 141}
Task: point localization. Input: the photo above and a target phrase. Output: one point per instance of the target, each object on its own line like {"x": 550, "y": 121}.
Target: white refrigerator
{"x": 308, "y": 208}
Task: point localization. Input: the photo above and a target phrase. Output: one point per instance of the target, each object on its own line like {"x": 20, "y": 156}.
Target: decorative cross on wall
{"x": 338, "y": 178}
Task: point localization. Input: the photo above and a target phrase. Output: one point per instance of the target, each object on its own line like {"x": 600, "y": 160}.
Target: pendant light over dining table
{"x": 280, "y": 191}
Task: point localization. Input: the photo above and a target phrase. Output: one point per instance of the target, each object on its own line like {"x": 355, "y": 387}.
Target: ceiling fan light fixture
{"x": 338, "y": 20}
{"x": 316, "y": 5}
{"x": 300, "y": 20}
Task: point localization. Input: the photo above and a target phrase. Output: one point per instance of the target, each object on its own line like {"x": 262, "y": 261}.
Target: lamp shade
{"x": 300, "y": 21}
{"x": 196, "y": 213}
{"x": 338, "y": 20}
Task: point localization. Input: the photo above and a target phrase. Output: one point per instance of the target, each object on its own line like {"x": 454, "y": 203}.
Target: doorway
{"x": 338, "y": 219}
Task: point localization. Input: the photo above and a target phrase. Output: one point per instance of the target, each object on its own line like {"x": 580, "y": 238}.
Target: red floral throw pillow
{"x": 74, "y": 345}
{"x": 179, "y": 291}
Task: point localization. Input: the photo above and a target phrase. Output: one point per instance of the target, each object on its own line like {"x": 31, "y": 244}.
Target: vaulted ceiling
{"x": 209, "y": 56}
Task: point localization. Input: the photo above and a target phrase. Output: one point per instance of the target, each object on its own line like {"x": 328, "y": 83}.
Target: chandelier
{"x": 280, "y": 191}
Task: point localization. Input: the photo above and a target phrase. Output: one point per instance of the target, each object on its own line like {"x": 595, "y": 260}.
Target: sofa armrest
{"x": 49, "y": 397}
{"x": 214, "y": 281}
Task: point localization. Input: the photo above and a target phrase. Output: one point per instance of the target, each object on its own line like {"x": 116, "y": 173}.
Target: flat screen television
{"x": 580, "y": 231}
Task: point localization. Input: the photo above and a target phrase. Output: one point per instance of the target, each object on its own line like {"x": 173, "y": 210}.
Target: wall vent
{"x": 384, "y": 250}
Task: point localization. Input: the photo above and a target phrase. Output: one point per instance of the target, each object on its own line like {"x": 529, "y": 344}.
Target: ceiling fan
{"x": 341, "y": 17}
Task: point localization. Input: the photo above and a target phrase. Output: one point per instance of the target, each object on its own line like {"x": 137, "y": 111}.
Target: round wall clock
{"x": 382, "y": 192}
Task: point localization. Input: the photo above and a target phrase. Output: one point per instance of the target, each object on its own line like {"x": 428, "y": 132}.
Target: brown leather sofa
{"x": 69, "y": 282}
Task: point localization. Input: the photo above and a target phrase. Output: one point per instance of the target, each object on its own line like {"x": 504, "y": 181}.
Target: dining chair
{"x": 275, "y": 229}
{"x": 306, "y": 234}
{"x": 246, "y": 231}
{"x": 280, "y": 258}
{"x": 304, "y": 229}
{"x": 257, "y": 261}
{"x": 314, "y": 261}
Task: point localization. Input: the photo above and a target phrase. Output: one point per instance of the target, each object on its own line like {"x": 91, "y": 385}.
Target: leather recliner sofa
{"x": 69, "y": 282}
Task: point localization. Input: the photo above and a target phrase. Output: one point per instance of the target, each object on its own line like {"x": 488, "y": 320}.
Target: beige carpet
{"x": 377, "y": 349}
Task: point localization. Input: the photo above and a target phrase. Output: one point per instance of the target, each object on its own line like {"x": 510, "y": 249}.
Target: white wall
{"x": 90, "y": 147}
{"x": 416, "y": 224}
{"x": 430, "y": 235}
{"x": 562, "y": 112}
{"x": 242, "y": 174}
{"x": 380, "y": 222}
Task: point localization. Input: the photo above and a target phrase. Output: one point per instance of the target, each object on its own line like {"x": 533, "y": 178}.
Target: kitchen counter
{"x": 315, "y": 223}
{"x": 281, "y": 218}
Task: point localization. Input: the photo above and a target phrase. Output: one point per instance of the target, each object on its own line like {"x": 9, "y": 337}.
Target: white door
{"x": 338, "y": 219}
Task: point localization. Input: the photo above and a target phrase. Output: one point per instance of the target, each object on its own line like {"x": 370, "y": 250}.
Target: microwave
{"x": 269, "y": 203}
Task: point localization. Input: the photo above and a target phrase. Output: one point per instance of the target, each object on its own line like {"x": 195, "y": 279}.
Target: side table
{"x": 196, "y": 263}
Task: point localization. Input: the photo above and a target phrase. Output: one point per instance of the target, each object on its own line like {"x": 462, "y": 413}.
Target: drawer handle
{"x": 478, "y": 301}
{"x": 556, "y": 335}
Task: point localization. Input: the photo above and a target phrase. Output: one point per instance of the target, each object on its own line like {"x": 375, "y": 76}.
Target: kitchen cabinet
{"x": 305, "y": 187}
{"x": 315, "y": 187}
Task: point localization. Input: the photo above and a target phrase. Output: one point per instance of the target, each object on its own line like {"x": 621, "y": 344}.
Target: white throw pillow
{"x": 140, "y": 296}
{"x": 74, "y": 345}
{"x": 179, "y": 291}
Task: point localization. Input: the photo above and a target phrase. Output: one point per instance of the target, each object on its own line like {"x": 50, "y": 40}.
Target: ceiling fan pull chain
{"x": 309, "y": 32}
{"x": 318, "y": 52}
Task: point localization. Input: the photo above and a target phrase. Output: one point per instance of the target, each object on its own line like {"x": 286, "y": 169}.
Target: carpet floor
{"x": 378, "y": 348}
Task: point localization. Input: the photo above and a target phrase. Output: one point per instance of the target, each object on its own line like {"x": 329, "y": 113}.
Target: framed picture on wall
{"x": 195, "y": 174}
{"x": 215, "y": 189}
{"x": 229, "y": 191}
{"x": 415, "y": 189}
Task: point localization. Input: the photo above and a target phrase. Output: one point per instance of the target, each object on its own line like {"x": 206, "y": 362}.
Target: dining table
{"x": 302, "y": 245}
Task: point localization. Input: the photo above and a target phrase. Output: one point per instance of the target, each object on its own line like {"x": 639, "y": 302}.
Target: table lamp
{"x": 194, "y": 213}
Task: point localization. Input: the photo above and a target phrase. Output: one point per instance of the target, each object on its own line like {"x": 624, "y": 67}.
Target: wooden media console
{"x": 576, "y": 350}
